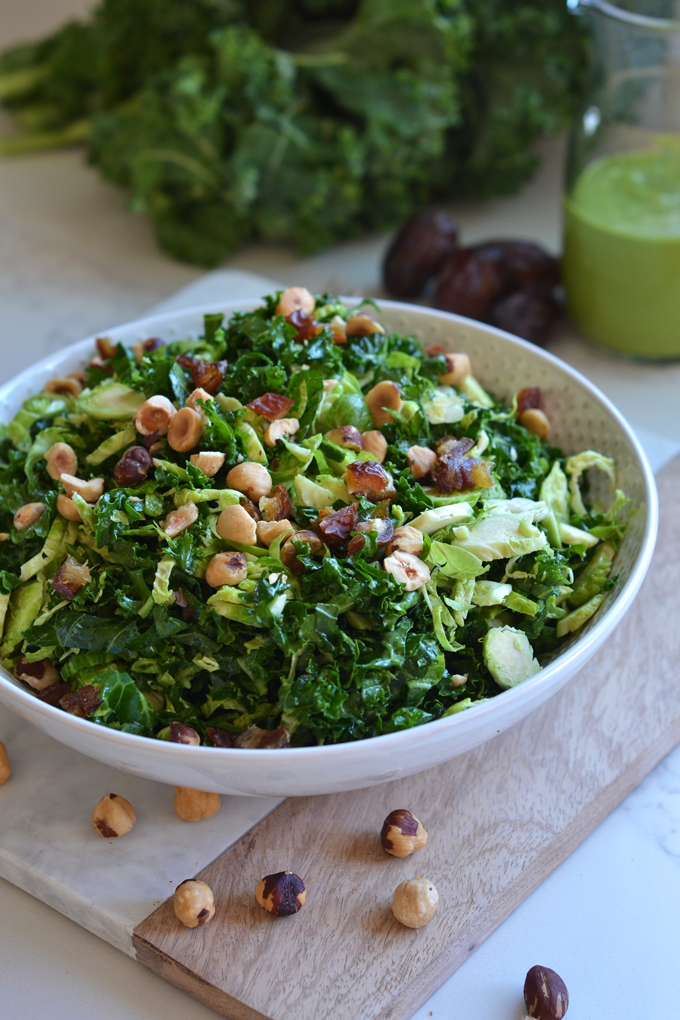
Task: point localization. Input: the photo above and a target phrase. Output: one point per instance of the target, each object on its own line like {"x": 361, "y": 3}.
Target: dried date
{"x": 454, "y": 473}
{"x": 471, "y": 281}
{"x": 530, "y": 313}
{"x": 207, "y": 375}
{"x": 304, "y": 325}
{"x": 277, "y": 506}
{"x": 528, "y": 398}
{"x": 271, "y": 406}
{"x": 524, "y": 262}
{"x": 82, "y": 702}
{"x": 336, "y": 527}
{"x": 418, "y": 252}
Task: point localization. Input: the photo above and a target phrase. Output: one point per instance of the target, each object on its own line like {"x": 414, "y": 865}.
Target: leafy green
{"x": 300, "y": 120}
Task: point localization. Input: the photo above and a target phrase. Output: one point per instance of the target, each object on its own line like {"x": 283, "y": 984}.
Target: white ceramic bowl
{"x": 581, "y": 417}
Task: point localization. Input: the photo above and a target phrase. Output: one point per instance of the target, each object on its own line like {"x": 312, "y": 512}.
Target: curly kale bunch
{"x": 302, "y": 121}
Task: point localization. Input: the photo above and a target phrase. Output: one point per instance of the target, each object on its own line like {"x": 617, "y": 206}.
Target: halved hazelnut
{"x": 67, "y": 508}
{"x": 278, "y": 429}
{"x": 375, "y": 443}
{"x": 38, "y": 675}
{"x": 180, "y": 519}
{"x": 184, "y": 430}
{"x": 363, "y": 324}
{"x": 154, "y": 416}
{"x": 536, "y": 421}
{"x": 288, "y": 552}
{"x": 61, "y": 459}
{"x": 236, "y": 525}
{"x": 347, "y": 436}
{"x": 28, "y": 514}
{"x": 208, "y": 461}
{"x": 407, "y": 569}
{"x": 406, "y": 539}
{"x": 421, "y": 460}
{"x": 458, "y": 368}
{"x": 67, "y": 387}
{"x": 198, "y": 394}
{"x": 89, "y": 490}
{"x": 226, "y": 568}
{"x": 252, "y": 479}
{"x": 147, "y": 346}
{"x": 269, "y": 531}
{"x": 382, "y": 399}
{"x": 281, "y": 894}
{"x": 295, "y": 299}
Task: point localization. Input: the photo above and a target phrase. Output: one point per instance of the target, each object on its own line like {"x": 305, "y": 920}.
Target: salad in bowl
{"x": 297, "y": 529}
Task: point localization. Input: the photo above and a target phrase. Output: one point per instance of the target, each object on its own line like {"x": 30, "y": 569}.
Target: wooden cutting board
{"x": 500, "y": 819}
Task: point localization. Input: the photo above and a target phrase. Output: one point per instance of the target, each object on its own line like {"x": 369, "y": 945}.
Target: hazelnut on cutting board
{"x": 545, "y": 994}
{"x": 415, "y": 902}
{"x": 402, "y": 833}
{"x": 282, "y": 894}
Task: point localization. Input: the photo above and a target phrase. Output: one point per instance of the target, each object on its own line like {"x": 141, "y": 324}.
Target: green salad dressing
{"x": 622, "y": 252}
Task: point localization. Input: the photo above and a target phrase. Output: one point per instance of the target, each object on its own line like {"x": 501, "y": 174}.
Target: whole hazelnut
{"x": 113, "y": 816}
{"x": 281, "y": 894}
{"x": 5, "y": 770}
{"x": 414, "y": 902}
{"x": 194, "y": 903}
{"x": 194, "y": 805}
{"x": 402, "y": 833}
{"x": 133, "y": 467}
{"x": 545, "y": 994}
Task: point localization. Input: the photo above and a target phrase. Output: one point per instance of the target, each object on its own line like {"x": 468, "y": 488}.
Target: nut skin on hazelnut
{"x": 281, "y": 894}
{"x": 113, "y": 816}
{"x": 415, "y": 902}
{"x": 545, "y": 994}
{"x": 195, "y": 805}
{"x": 402, "y": 833}
{"x": 194, "y": 903}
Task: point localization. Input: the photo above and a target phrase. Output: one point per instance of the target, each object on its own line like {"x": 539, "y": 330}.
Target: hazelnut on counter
{"x": 281, "y": 894}
{"x": 414, "y": 902}
{"x": 5, "y": 770}
{"x": 194, "y": 903}
{"x": 113, "y": 816}
{"x": 194, "y": 805}
{"x": 402, "y": 833}
{"x": 545, "y": 994}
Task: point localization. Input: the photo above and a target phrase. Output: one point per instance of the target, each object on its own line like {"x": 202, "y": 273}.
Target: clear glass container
{"x": 622, "y": 203}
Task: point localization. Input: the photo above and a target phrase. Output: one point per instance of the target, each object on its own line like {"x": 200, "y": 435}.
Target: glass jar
{"x": 622, "y": 204}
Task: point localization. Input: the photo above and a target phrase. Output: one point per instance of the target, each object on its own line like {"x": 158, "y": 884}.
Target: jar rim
{"x": 612, "y": 10}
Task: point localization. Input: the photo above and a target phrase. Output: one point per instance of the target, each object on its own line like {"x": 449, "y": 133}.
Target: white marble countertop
{"x": 72, "y": 261}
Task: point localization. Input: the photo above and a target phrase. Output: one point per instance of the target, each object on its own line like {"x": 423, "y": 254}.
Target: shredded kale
{"x": 320, "y": 637}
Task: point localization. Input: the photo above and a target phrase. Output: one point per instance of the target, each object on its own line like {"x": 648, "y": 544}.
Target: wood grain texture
{"x": 500, "y": 819}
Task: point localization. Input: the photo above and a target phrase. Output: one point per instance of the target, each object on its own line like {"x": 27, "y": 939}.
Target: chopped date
{"x": 530, "y": 313}
{"x": 304, "y": 325}
{"x": 251, "y": 509}
{"x": 369, "y": 479}
{"x": 70, "y": 576}
{"x": 528, "y": 398}
{"x": 271, "y": 406}
{"x": 221, "y": 738}
{"x": 277, "y": 506}
{"x": 105, "y": 347}
{"x": 336, "y": 527}
{"x": 53, "y": 695}
{"x": 454, "y": 473}
{"x": 207, "y": 375}
{"x": 82, "y": 702}
{"x": 449, "y": 444}
{"x": 181, "y": 602}
{"x": 418, "y": 252}
{"x": 259, "y": 739}
{"x": 253, "y": 738}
